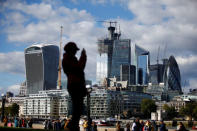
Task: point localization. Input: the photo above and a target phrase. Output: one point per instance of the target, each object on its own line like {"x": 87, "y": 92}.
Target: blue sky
{"x": 150, "y": 24}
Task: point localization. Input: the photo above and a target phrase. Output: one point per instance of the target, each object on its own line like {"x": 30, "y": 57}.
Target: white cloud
{"x": 147, "y": 12}
{"x": 78, "y": 26}
{"x": 42, "y": 11}
{"x": 12, "y": 62}
{"x": 49, "y": 22}
{"x": 155, "y": 24}
{"x": 14, "y": 89}
{"x": 188, "y": 66}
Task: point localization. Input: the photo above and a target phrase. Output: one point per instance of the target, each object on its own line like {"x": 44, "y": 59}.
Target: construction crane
{"x": 113, "y": 33}
{"x": 164, "y": 51}
{"x": 158, "y": 55}
{"x": 110, "y": 22}
{"x": 60, "y": 61}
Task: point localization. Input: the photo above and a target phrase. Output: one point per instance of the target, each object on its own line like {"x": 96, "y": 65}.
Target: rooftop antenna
{"x": 60, "y": 63}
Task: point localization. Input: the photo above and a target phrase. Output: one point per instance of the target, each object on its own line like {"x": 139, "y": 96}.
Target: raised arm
{"x": 83, "y": 59}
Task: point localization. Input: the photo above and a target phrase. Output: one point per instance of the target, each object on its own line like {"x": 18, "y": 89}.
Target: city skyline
{"x": 170, "y": 25}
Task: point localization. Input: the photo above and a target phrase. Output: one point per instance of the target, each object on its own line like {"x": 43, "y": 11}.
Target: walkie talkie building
{"x": 41, "y": 63}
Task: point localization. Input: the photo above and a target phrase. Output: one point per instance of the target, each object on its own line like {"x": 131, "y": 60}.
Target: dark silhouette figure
{"x": 162, "y": 126}
{"x": 74, "y": 69}
{"x": 181, "y": 127}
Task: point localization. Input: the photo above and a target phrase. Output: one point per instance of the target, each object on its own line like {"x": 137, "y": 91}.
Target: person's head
{"x": 141, "y": 122}
{"x": 71, "y": 48}
{"x": 180, "y": 123}
{"x": 147, "y": 122}
{"x": 161, "y": 122}
{"x": 137, "y": 120}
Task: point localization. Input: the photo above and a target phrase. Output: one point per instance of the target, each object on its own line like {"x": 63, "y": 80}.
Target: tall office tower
{"x": 142, "y": 62}
{"x": 156, "y": 73}
{"x": 112, "y": 52}
{"x": 41, "y": 63}
{"x": 121, "y": 55}
{"x": 172, "y": 77}
{"x": 165, "y": 80}
{"x": 127, "y": 73}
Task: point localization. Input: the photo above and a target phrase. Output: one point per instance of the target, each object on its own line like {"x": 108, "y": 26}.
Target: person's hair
{"x": 70, "y": 46}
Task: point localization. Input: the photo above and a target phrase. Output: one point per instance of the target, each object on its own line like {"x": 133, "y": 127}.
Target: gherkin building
{"x": 172, "y": 77}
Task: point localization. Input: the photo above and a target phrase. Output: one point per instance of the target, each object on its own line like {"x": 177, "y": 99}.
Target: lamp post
{"x": 89, "y": 89}
{"x": 2, "y": 107}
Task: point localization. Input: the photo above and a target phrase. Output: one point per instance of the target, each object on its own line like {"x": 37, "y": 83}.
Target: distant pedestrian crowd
{"x": 65, "y": 124}
{"x": 18, "y": 122}
{"x": 140, "y": 125}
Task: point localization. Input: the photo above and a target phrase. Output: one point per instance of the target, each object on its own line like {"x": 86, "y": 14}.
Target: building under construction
{"x": 112, "y": 53}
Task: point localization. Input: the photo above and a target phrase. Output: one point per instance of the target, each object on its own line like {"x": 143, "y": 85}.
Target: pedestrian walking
{"x": 45, "y": 123}
{"x": 162, "y": 126}
{"x": 94, "y": 126}
{"x": 128, "y": 126}
{"x": 118, "y": 126}
{"x": 181, "y": 127}
{"x": 141, "y": 125}
{"x": 5, "y": 121}
{"x": 15, "y": 122}
{"x": 85, "y": 125}
{"x": 136, "y": 125}
{"x": 147, "y": 126}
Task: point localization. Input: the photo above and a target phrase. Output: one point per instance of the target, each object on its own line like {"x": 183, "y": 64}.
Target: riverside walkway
{"x": 40, "y": 126}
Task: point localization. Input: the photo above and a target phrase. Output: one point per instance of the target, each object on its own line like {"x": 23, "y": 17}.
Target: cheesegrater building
{"x": 41, "y": 63}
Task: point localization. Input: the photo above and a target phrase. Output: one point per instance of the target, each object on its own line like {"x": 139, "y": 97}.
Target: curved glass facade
{"x": 172, "y": 77}
{"x": 142, "y": 62}
{"x": 41, "y": 63}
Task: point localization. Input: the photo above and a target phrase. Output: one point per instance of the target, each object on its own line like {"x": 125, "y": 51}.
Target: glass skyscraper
{"x": 142, "y": 62}
{"x": 156, "y": 73}
{"x": 165, "y": 80}
{"x": 112, "y": 53}
{"x": 41, "y": 63}
{"x": 172, "y": 77}
{"x": 121, "y": 56}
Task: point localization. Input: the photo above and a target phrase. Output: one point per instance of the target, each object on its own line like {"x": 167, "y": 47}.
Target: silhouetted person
{"x": 74, "y": 69}
{"x": 181, "y": 127}
{"x": 136, "y": 125}
{"x": 162, "y": 126}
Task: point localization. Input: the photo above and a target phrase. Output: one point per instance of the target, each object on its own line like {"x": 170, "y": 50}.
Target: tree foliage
{"x": 170, "y": 112}
{"x": 12, "y": 110}
{"x": 190, "y": 110}
{"x": 148, "y": 106}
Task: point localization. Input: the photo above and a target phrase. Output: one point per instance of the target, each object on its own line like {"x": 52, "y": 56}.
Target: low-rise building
{"x": 50, "y": 104}
{"x": 111, "y": 103}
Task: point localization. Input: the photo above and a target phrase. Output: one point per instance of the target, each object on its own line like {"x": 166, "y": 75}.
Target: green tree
{"x": 148, "y": 106}
{"x": 195, "y": 112}
{"x": 14, "y": 109}
{"x": 189, "y": 110}
{"x": 170, "y": 112}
